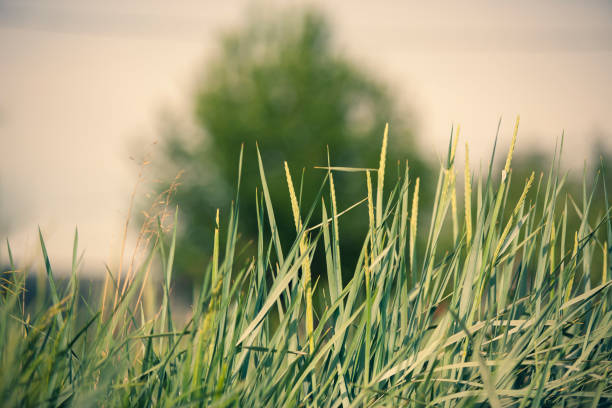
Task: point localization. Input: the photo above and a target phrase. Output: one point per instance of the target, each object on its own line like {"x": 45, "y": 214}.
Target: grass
{"x": 509, "y": 315}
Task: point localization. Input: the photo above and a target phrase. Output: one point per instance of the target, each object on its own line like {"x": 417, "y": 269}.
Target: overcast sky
{"x": 81, "y": 81}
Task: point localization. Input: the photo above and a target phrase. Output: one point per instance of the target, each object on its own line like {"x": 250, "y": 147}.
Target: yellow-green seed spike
{"x": 454, "y": 148}
{"x": 294, "y": 204}
{"x": 521, "y": 200}
{"x": 511, "y": 151}
{"x": 215, "y": 268}
{"x": 413, "y": 221}
{"x": 381, "y": 178}
{"x": 468, "y": 196}
{"x": 305, "y": 263}
{"x": 502, "y": 238}
{"x": 517, "y": 208}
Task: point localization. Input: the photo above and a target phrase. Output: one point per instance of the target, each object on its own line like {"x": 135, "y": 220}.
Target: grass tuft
{"x": 510, "y": 315}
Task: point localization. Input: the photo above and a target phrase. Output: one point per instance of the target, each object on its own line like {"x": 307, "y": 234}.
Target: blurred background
{"x": 91, "y": 90}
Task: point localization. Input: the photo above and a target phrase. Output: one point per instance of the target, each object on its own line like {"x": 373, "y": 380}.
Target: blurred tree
{"x": 279, "y": 82}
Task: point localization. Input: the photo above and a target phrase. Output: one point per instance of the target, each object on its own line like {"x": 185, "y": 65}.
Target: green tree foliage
{"x": 279, "y": 82}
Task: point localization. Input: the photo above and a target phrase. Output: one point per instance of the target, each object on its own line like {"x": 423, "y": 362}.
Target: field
{"x": 515, "y": 313}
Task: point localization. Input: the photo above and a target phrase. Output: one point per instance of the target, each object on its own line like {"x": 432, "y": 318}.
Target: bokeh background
{"x": 87, "y": 88}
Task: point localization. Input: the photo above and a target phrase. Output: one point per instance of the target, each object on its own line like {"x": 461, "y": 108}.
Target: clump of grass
{"x": 509, "y": 316}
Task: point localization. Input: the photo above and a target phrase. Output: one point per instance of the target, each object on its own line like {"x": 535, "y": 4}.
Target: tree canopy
{"x": 279, "y": 81}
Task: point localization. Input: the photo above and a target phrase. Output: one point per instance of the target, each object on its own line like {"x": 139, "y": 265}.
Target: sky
{"x": 83, "y": 85}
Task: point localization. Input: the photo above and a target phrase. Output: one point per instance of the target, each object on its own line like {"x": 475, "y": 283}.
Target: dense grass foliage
{"x": 510, "y": 315}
